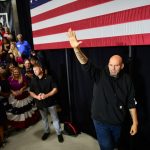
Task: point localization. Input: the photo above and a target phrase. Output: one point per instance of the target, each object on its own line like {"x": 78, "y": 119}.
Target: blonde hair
{"x": 14, "y": 51}
{"x": 20, "y": 79}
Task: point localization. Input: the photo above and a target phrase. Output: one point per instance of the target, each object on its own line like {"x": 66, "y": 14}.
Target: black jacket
{"x": 112, "y": 97}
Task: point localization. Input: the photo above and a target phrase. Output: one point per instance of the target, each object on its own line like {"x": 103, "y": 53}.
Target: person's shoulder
{"x": 34, "y": 79}
{"x": 47, "y": 76}
{"x": 50, "y": 77}
{"x": 26, "y": 42}
{"x": 126, "y": 76}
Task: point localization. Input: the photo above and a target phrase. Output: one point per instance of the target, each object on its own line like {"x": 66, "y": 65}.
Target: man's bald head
{"x": 115, "y": 65}
{"x": 116, "y": 58}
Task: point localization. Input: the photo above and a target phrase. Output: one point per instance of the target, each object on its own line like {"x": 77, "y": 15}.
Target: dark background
{"x": 77, "y": 106}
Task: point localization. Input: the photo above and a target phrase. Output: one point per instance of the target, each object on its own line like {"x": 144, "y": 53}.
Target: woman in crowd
{"x": 23, "y": 112}
{"x": 13, "y": 49}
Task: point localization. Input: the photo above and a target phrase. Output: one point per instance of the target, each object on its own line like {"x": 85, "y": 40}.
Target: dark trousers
{"x": 107, "y": 135}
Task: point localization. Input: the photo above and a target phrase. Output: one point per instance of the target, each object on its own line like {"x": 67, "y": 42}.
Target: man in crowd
{"x": 43, "y": 89}
{"x": 23, "y": 47}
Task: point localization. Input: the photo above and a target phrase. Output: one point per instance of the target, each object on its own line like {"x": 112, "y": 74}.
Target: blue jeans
{"x": 107, "y": 135}
{"x": 54, "y": 117}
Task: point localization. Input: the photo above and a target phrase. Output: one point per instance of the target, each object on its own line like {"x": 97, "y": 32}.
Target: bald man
{"x": 113, "y": 96}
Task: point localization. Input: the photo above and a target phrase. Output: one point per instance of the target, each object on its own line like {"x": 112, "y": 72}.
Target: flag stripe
{"x": 98, "y": 10}
{"x": 49, "y": 6}
{"x": 138, "y": 39}
{"x": 136, "y": 14}
{"x": 138, "y": 27}
{"x": 60, "y": 8}
{"x": 97, "y": 23}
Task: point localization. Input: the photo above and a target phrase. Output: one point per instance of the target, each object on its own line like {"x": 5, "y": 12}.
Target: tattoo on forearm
{"x": 82, "y": 58}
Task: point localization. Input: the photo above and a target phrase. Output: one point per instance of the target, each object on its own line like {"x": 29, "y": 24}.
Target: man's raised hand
{"x": 72, "y": 39}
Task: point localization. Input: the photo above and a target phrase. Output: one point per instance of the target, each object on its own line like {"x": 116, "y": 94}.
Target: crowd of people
{"x": 18, "y": 109}
{"x": 17, "y": 106}
{"x": 22, "y": 79}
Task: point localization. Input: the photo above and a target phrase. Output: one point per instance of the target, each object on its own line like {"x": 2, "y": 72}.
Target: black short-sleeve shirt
{"x": 43, "y": 85}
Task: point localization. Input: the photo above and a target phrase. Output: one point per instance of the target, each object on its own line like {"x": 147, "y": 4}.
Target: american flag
{"x": 97, "y": 23}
